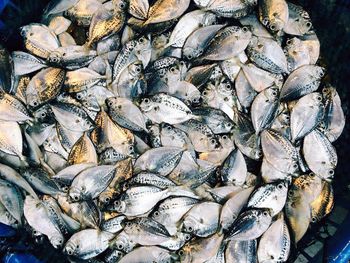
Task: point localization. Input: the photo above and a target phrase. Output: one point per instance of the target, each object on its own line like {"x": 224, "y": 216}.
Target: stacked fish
{"x": 168, "y": 131}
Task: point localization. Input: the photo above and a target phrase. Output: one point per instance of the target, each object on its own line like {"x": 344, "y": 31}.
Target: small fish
{"x": 320, "y": 155}
{"x": 158, "y": 107}
{"x": 202, "y": 219}
{"x": 83, "y": 151}
{"x": 275, "y": 242}
{"x": 44, "y": 86}
{"x": 228, "y": 42}
{"x": 274, "y": 14}
{"x": 161, "y": 160}
{"x": 306, "y": 115}
{"x": 250, "y": 225}
{"x": 267, "y": 54}
{"x": 71, "y": 57}
{"x": 88, "y": 243}
{"x": 121, "y": 110}
{"x": 39, "y": 40}
{"x": 302, "y": 81}
{"x": 264, "y": 108}
{"x": 272, "y": 196}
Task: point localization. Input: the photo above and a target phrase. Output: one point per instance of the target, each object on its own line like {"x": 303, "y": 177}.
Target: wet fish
{"x": 163, "y": 131}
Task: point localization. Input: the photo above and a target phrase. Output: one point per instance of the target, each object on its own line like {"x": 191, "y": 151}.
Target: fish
{"x": 168, "y": 131}
{"x": 274, "y": 14}
{"x": 250, "y": 225}
{"x": 39, "y": 39}
{"x": 275, "y": 243}
{"x": 310, "y": 105}
{"x": 88, "y": 243}
{"x": 202, "y": 219}
{"x": 272, "y": 196}
{"x": 302, "y": 81}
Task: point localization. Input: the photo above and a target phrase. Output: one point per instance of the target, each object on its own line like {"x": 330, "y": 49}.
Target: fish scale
{"x": 171, "y": 131}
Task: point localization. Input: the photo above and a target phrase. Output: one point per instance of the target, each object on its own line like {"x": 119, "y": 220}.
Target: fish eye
{"x": 224, "y": 137}
{"x": 289, "y": 42}
{"x": 265, "y": 21}
{"x": 205, "y": 93}
{"x": 187, "y": 237}
{"x": 280, "y": 186}
{"x": 319, "y": 98}
{"x": 331, "y": 172}
{"x": 35, "y": 103}
{"x": 128, "y": 224}
{"x": 43, "y": 115}
{"x": 121, "y": 5}
{"x": 76, "y": 198}
{"x": 260, "y": 154}
{"x": 273, "y": 27}
{"x": 295, "y": 165}
{"x": 156, "y": 213}
{"x": 213, "y": 141}
{"x": 311, "y": 174}
{"x": 138, "y": 69}
{"x": 181, "y": 253}
{"x": 107, "y": 199}
{"x": 265, "y": 213}
{"x": 182, "y": 63}
{"x": 314, "y": 219}
{"x": 228, "y": 85}
{"x": 172, "y": 69}
{"x": 69, "y": 252}
{"x": 245, "y": 29}
{"x": 131, "y": 148}
{"x": 120, "y": 246}
{"x": 274, "y": 93}
{"x": 78, "y": 96}
{"x": 141, "y": 40}
{"x": 190, "y": 229}
{"x": 146, "y": 100}
{"x": 189, "y": 56}
{"x": 308, "y": 24}
{"x": 117, "y": 203}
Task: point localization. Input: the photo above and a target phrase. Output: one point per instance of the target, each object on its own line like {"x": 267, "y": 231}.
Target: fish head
{"x": 44, "y": 114}
{"x": 75, "y": 194}
{"x": 136, "y": 69}
{"x": 70, "y": 248}
{"x": 55, "y": 57}
{"x": 282, "y": 188}
{"x": 276, "y": 24}
{"x": 146, "y": 104}
{"x": 189, "y": 225}
{"x": 120, "y": 5}
{"x": 191, "y": 53}
{"x": 143, "y": 49}
{"x": 265, "y": 215}
{"x": 25, "y": 31}
{"x": 123, "y": 242}
{"x": 57, "y": 241}
{"x": 119, "y": 206}
{"x": 319, "y": 72}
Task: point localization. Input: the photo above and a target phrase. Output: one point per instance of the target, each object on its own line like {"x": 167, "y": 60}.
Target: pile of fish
{"x": 168, "y": 131}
